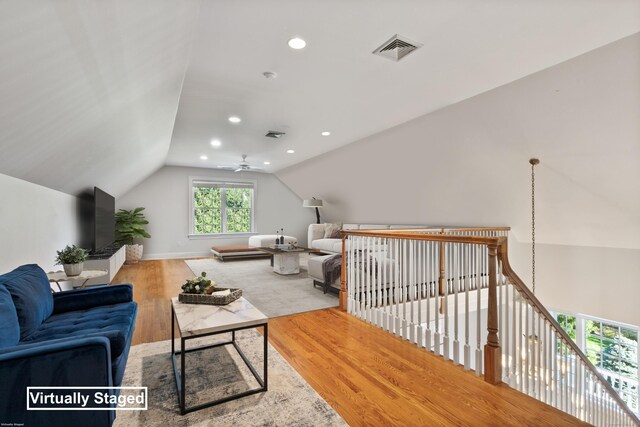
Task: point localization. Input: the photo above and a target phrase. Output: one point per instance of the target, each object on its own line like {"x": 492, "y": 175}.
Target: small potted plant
{"x": 199, "y": 285}
{"x": 72, "y": 259}
{"x": 131, "y": 225}
{"x": 201, "y": 290}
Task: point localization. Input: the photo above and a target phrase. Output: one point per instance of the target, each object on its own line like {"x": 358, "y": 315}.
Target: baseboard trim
{"x": 176, "y": 255}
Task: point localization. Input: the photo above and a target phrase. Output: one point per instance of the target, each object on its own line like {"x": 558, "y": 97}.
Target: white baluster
{"x": 384, "y": 261}
{"x": 428, "y": 337}
{"x": 521, "y": 351}
{"x": 412, "y": 281}
{"x": 396, "y": 287}
{"x": 553, "y": 367}
{"x": 501, "y": 308}
{"x": 379, "y": 262}
{"x": 579, "y": 388}
{"x": 445, "y": 301}
{"x": 566, "y": 375}
{"x": 421, "y": 276}
{"x": 479, "y": 268}
{"x": 350, "y": 281}
{"x": 436, "y": 336}
{"x": 359, "y": 277}
{"x": 456, "y": 285}
{"x": 544, "y": 345}
{"x": 527, "y": 349}
{"x": 513, "y": 372}
{"x": 368, "y": 276}
{"x": 467, "y": 283}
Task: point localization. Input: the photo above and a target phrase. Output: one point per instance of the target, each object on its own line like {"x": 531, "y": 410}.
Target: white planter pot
{"x": 134, "y": 253}
{"x": 73, "y": 269}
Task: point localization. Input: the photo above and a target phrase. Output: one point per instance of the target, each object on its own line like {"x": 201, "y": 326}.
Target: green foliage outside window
{"x": 210, "y": 215}
{"x": 610, "y": 348}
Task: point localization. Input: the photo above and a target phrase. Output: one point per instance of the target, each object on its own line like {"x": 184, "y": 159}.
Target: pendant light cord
{"x": 533, "y": 163}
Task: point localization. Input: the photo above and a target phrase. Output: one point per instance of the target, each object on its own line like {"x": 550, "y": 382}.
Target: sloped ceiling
{"x": 90, "y": 89}
{"x": 336, "y": 84}
{"x": 468, "y": 164}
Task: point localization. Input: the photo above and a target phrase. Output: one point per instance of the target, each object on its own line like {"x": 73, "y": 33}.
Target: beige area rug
{"x": 273, "y": 294}
{"x": 213, "y": 373}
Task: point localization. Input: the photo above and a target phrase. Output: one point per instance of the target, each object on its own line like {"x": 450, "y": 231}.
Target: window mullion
{"x": 580, "y": 334}
{"x": 223, "y": 209}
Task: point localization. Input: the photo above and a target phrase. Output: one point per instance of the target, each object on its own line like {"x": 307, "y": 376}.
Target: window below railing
{"x": 612, "y": 347}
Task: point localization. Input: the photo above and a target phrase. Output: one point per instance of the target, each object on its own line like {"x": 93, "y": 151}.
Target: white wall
{"x": 468, "y": 165}
{"x": 35, "y": 221}
{"x": 165, "y": 196}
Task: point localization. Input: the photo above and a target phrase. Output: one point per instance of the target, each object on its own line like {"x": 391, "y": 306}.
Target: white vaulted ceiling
{"x": 336, "y": 84}
{"x": 104, "y": 92}
{"x": 89, "y": 89}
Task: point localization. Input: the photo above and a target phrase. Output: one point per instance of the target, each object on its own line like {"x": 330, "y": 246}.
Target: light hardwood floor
{"x": 370, "y": 377}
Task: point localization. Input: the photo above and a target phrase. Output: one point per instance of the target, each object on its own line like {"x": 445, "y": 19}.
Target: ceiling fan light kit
{"x": 243, "y": 166}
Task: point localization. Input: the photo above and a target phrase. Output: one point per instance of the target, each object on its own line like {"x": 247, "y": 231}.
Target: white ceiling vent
{"x": 397, "y": 47}
{"x": 274, "y": 134}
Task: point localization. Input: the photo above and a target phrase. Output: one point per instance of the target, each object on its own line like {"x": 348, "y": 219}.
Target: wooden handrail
{"x": 498, "y": 249}
{"x": 406, "y": 235}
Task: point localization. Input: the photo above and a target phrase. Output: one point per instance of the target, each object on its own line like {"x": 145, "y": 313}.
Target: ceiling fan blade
{"x": 238, "y": 170}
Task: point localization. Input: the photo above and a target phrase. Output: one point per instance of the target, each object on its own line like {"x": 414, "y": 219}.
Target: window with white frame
{"x": 611, "y": 347}
{"x": 221, "y": 207}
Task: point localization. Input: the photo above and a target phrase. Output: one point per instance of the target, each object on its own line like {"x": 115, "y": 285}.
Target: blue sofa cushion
{"x": 10, "y": 329}
{"x": 29, "y": 287}
{"x": 115, "y": 322}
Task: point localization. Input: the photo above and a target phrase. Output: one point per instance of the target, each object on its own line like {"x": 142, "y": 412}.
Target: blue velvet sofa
{"x": 72, "y": 338}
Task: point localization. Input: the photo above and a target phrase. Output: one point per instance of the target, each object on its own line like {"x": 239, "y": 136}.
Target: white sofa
{"x": 316, "y": 240}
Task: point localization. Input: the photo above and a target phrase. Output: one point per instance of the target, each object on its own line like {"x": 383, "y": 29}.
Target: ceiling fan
{"x": 243, "y": 166}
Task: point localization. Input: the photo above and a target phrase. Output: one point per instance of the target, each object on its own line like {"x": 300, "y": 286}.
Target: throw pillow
{"x": 332, "y": 231}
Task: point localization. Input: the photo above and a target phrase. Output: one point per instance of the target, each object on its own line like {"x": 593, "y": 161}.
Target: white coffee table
{"x": 286, "y": 262}
{"x": 201, "y": 320}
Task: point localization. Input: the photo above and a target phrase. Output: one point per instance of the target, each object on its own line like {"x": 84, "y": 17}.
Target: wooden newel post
{"x": 492, "y": 351}
{"x": 343, "y": 275}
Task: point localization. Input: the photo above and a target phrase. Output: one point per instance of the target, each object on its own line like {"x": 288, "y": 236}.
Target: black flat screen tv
{"x": 104, "y": 209}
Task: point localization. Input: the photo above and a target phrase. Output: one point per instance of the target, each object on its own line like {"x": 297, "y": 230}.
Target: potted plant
{"x": 199, "y": 285}
{"x": 72, "y": 259}
{"x": 131, "y": 225}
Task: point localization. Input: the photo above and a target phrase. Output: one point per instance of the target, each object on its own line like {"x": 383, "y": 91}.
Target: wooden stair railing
{"x": 415, "y": 283}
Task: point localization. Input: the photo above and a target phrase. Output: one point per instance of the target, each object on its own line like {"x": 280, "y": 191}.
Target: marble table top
{"x": 60, "y": 276}
{"x": 197, "y": 319}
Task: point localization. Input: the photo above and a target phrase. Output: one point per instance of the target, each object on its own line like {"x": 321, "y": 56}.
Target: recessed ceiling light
{"x": 297, "y": 43}
{"x": 291, "y": 151}
{"x": 267, "y": 163}
{"x": 325, "y": 133}
{"x": 203, "y": 157}
{"x": 216, "y": 143}
{"x": 235, "y": 119}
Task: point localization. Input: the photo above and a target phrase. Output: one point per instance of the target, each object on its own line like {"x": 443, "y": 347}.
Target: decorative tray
{"x": 213, "y": 299}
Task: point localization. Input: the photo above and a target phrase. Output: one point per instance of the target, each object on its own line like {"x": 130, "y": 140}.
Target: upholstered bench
{"x": 224, "y": 252}
{"x": 314, "y": 270}
{"x": 264, "y": 240}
